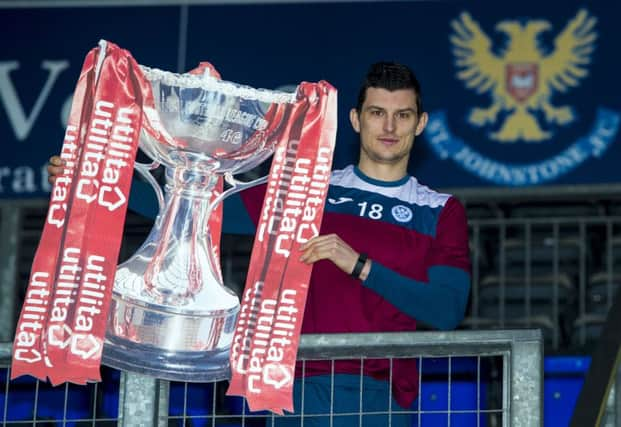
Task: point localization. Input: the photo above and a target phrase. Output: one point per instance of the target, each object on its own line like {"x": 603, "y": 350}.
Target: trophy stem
{"x": 185, "y": 220}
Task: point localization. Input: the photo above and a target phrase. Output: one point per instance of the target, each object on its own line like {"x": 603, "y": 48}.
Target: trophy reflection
{"x": 171, "y": 316}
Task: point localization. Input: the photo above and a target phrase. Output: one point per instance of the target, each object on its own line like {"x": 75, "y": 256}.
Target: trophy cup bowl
{"x": 171, "y": 316}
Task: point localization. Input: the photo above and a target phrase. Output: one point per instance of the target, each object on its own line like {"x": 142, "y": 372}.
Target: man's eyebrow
{"x": 402, "y": 110}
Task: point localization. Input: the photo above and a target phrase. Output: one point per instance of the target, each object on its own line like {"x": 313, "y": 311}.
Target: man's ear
{"x": 354, "y": 118}
{"x": 422, "y": 122}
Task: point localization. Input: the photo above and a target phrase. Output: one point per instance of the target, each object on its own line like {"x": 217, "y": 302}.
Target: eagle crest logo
{"x": 523, "y": 75}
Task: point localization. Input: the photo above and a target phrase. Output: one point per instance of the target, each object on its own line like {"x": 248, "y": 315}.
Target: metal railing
{"x": 145, "y": 401}
{"x": 556, "y": 273}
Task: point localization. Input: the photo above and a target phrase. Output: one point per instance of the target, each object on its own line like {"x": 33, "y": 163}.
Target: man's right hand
{"x": 54, "y": 168}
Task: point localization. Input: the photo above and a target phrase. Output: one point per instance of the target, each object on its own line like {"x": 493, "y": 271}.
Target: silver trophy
{"x": 171, "y": 316}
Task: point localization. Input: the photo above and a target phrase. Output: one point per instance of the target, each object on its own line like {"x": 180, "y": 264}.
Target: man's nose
{"x": 389, "y": 123}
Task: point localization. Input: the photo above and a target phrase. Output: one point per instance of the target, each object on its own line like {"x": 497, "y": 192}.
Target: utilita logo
{"x": 297, "y": 198}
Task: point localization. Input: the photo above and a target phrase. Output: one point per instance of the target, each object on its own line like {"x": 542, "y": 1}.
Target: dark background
{"x": 272, "y": 45}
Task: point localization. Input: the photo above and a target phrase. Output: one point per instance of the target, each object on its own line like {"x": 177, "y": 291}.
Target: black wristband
{"x": 362, "y": 259}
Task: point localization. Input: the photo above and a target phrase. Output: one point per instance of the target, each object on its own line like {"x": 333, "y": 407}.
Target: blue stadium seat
{"x": 462, "y": 402}
{"x": 60, "y": 405}
{"x": 563, "y": 379}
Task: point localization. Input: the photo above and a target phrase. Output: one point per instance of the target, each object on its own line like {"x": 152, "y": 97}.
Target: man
{"x": 391, "y": 252}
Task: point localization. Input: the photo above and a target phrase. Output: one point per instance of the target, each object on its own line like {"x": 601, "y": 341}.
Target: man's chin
{"x": 386, "y": 160}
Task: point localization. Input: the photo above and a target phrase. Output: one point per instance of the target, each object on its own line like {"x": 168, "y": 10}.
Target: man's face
{"x": 388, "y": 123}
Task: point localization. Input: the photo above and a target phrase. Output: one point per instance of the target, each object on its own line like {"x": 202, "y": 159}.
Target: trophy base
{"x": 190, "y": 366}
{"x": 161, "y": 341}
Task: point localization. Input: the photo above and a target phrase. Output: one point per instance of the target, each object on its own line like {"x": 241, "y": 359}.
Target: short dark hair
{"x": 390, "y": 76}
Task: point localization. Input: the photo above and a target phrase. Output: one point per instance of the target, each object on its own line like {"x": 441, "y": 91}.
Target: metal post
{"x": 143, "y": 401}
{"x": 526, "y": 379}
{"x": 9, "y": 230}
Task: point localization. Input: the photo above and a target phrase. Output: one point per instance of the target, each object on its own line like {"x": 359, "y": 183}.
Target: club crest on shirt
{"x": 522, "y": 81}
{"x": 401, "y": 213}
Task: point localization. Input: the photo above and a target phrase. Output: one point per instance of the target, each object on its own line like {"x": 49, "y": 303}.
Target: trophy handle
{"x": 144, "y": 169}
{"x": 236, "y": 186}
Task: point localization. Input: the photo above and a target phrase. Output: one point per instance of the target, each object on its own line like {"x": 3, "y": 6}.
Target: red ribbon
{"x": 268, "y": 327}
{"x": 61, "y": 329}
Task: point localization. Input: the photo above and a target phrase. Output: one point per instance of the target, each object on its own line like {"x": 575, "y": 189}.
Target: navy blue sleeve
{"x": 142, "y": 199}
{"x": 235, "y": 218}
{"x": 440, "y": 303}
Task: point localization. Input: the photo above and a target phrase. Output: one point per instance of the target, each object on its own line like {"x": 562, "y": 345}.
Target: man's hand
{"x": 54, "y": 168}
{"x": 332, "y": 247}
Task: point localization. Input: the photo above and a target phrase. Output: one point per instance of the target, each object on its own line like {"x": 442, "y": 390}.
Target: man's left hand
{"x": 332, "y": 247}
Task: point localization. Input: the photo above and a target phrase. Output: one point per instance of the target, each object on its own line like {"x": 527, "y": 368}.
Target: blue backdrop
{"x": 519, "y": 94}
